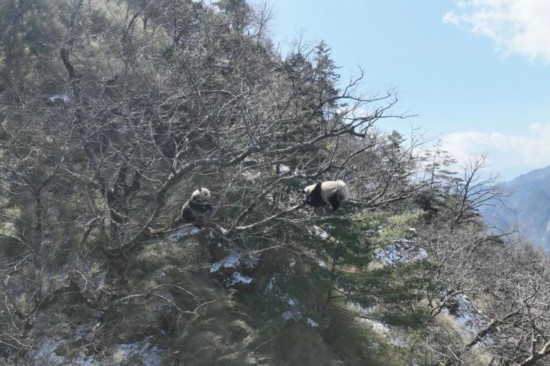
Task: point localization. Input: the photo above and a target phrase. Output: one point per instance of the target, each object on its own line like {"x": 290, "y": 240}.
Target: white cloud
{"x": 516, "y": 26}
{"x": 509, "y": 155}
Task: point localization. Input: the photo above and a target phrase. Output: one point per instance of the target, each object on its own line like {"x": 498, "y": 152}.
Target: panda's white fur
{"x": 332, "y": 192}
{"x": 202, "y": 194}
{"x": 198, "y": 208}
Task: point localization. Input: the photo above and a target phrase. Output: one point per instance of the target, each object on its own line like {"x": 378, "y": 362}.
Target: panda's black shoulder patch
{"x": 315, "y": 198}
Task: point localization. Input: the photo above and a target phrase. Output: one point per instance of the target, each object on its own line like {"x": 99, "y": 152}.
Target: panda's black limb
{"x": 334, "y": 201}
{"x": 201, "y": 207}
{"x": 187, "y": 215}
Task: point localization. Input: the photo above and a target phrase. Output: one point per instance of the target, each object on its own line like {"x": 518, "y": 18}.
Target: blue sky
{"x": 476, "y": 72}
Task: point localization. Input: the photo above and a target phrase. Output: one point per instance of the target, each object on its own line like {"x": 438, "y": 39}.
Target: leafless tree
{"x": 139, "y": 104}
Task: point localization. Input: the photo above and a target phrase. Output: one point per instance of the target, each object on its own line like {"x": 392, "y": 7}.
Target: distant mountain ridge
{"x": 527, "y": 207}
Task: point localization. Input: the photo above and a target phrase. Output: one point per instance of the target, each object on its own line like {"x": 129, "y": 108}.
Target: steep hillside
{"x": 113, "y": 113}
{"x": 526, "y": 207}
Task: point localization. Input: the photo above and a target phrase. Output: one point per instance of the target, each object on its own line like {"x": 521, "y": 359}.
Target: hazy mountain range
{"x": 527, "y": 207}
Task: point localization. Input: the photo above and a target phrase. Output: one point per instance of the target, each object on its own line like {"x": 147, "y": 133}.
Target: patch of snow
{"x": 290, "y": 315}
{"x": 378, "y": 327}
{"x": 467, "y": 315}
{"x": 275, "y": 292}
{"x": 312, "y": 323}
{"x": 150, "y": 355}
{"x": 183, "y": 232}
{"x": 398, "y": 340}
{"x": 317, "y": 231}
{"x": 99, "y": 281}
{"x": 394, "y": 335}
{"x": 232, "y": 260}
{"x": 356, "y": 308}
{"x": 61, "y": 97}
{"x": 250, "y": 176}
{"x": 284, "y": 168}
{"x": 239, "y": 278}
{"x": 402, "y": 251}
{"x": 83, "y": 360}
{"x": 45, "y": 351}
{"x": 270, "y": 285}
{"x": 371, "y": 233}
{"x": 82, "y": 330}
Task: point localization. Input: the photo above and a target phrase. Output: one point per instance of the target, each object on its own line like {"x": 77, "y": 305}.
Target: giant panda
{"x": 198, "y": 209}
{"x": 332, "y": 191}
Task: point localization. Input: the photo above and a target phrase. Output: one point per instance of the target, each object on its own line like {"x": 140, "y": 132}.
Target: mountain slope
{"x": 527, "y": 207}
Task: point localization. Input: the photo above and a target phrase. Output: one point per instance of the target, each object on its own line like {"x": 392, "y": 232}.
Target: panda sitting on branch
{"x": 331, "y": 192}
{"x": 198, "y": 209}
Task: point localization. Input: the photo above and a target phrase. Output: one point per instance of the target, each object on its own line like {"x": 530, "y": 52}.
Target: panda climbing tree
{"x": 328, "y": 192}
